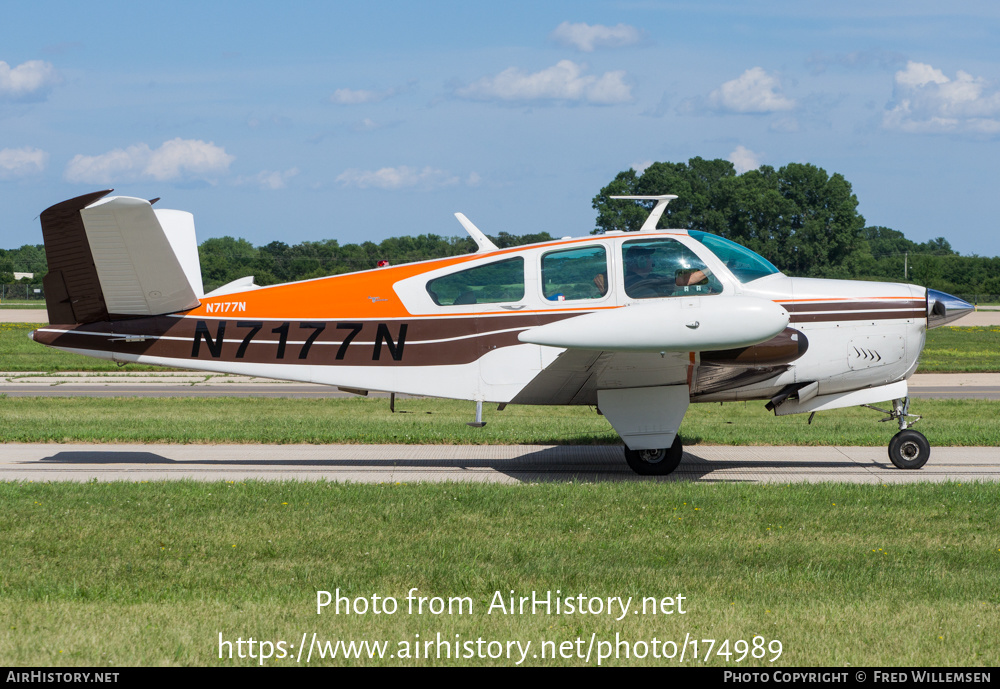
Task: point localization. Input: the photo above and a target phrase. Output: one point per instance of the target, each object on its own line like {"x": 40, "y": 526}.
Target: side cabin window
{"x": 665, "y": 268}
{"x": 572, "y": 274}
{"x": 493, "y": 283}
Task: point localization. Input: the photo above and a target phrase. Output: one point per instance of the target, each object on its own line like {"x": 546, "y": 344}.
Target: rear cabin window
{"x": 665, "y": 268}
{"x": 492, "y": 283}
{"x": 573, "y": 274}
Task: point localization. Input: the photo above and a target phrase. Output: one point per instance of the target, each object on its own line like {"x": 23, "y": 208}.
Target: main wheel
{"x": 909, "y": 449}
{"x": 655, "y": 462}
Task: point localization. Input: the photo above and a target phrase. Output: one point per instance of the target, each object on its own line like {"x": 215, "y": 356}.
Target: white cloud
{"x": 925, "y": 100}
{"x": 174, "y": 160}
{"x": 28, "y": 81}
{"x": 187, "y": 157}
{"x": 270, "y": 180}
{"x": 641, "y": 167}
{"x": 753, "y": 91}
{"x": 744, "y": 159}
{"x": 22, "y": 162}
{"x": 587, "y": 38}
{"x": 403, "y": 177}
{"x": 919, "y": 74}
{"x": 564, "y": 81}
{"x": 360, "y": 96}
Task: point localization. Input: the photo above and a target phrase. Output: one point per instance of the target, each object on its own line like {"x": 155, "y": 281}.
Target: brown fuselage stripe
{"x": 847, "y": 310}
{"x": 856, "y": 316}
{"x": 393, "y": 342}
{"x": 846, "y": 305}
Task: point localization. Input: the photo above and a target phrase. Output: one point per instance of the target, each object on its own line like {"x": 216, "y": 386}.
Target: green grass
{"x": 111, "y": 574}
{"x": 19, "y": 353}
{"x": 430, "y": 421}
{"x": 948, "y": 349}
{"x": 958, "y": 349}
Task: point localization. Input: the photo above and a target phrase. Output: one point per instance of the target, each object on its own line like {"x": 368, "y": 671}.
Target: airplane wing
{"x": 643, "y": 395}
{"x": 575, "y": 375}
{"x": 684, "y": 324}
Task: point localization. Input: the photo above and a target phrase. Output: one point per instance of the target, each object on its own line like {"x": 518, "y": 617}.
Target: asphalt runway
{"x": 510, "y": 464}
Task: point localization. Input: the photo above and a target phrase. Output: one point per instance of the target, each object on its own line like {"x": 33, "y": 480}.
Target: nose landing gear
{"x": 908, "y": 449}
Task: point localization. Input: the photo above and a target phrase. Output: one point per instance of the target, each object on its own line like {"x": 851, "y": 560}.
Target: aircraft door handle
{"x": 693, "y": 325}
{"x": 513, "y": 308}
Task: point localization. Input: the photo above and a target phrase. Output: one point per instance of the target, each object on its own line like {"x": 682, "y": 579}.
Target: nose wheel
{"x": 908, "y": 449}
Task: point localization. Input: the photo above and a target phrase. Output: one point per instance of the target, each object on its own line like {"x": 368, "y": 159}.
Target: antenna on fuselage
{"x": 654, "y": 215}
{"x": 481, "y": 240}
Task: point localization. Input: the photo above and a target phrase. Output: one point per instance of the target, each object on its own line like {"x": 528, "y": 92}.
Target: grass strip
{"x": 110, "y": 574}
{"x": 19, "y": 353}
{"x": 961, "y": 349}
{"x": 432, "y": 421}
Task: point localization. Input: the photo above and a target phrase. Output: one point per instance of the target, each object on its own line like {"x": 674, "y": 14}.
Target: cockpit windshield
{"x": 743, "y": 263}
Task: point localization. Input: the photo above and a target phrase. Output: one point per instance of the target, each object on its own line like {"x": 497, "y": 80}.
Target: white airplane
{"x": 639, "y": 324}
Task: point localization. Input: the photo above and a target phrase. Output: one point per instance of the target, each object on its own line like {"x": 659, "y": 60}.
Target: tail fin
{"x": 72, "y": 288}
{"x": 114, "y": 258}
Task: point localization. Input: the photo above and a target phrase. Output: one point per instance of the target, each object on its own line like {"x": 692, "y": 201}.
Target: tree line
{"x": 802, "y": 219}
{"x": 224, "y": 259}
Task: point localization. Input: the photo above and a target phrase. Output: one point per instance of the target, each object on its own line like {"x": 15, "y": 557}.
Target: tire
{"x": 909, "y": 450}
{"x": 655, "y": 462}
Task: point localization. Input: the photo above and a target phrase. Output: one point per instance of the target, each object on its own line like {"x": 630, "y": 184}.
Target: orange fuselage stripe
{"x": 365, "y": 294}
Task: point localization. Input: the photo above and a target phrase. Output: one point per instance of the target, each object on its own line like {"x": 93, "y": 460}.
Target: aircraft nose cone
{"x": 943, "y": 308}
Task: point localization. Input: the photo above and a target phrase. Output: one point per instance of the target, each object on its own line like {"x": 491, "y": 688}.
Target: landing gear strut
{"x": 908, "y": 449}
{"x": 658, "y": 462}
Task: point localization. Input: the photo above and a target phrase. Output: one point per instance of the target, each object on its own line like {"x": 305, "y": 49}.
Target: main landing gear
{"x": 908, "y": 449}
{"x": 658, "y": 462}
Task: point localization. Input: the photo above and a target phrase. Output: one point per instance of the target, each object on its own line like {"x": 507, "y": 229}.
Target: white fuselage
{"x": 860, "y": 335}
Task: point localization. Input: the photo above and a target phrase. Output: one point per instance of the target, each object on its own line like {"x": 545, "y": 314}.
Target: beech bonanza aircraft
{"x": 639, "y": 324}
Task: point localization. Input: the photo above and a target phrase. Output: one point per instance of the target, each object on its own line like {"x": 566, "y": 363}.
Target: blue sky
{"x": 313, "y": 120}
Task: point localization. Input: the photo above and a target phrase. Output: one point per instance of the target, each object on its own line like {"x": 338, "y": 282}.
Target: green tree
{"x": 798, "y": 216}
{"x": 224, "y": 259}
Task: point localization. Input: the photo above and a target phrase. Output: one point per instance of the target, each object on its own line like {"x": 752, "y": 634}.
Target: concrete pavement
{"x": 477, "y": 463}
{"x": 24, "y": 316}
